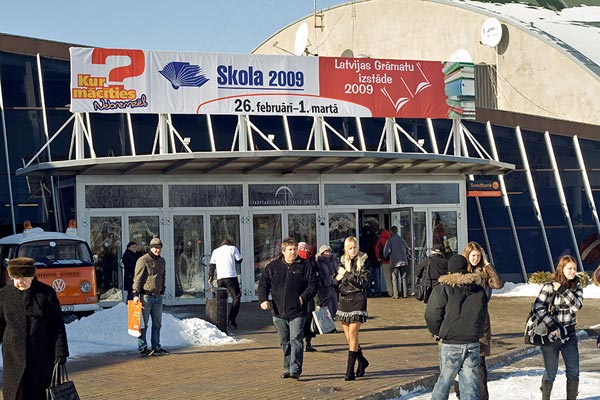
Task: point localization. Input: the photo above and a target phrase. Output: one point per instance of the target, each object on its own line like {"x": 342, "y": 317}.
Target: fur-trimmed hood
{"x": 459, "y": 279}
{"x": 361, "y": 260}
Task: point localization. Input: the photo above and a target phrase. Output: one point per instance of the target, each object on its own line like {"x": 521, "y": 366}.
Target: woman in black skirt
{"x": 351, "y": 281}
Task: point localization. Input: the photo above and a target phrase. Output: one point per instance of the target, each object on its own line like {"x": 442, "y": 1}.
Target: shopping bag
{"x": 61, "y": 388}
{"x": 323, "y": 321}
{"x": 422, "y": 293}
{"x": 135, "y": 321}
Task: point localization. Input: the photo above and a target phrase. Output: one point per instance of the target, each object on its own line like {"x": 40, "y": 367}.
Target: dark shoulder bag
{"x": 61, "y": 388}
{"x": 422, "y": 292}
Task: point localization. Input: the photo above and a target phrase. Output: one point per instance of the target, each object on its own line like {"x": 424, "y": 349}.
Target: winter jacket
{"x": 326, "y": 268}
{"x": 149, "y": 277}
{"x": 129, "y": 259}
{"x": 457, "y": 308}
{"x": 438, "y": 266}
{"x": 32, "y": 334}
{"x": 287, "y": 283}
{"x": 357, "y": 277}
{"x": 384, "y": 236}
{"x": 566, "y": 304}
{"x": 397, "y": 249}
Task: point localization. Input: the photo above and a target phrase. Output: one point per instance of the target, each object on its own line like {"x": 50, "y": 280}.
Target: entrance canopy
{"x": 272, "y": 162}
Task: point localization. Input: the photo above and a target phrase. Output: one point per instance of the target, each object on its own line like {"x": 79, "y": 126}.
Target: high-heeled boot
{"x": 363, "y": 363}
{"x": 349, "y": 376}
{"x": 546, "y": 390}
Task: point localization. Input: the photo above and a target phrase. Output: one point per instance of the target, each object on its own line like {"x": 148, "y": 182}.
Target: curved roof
{"x": 574, "y": 29}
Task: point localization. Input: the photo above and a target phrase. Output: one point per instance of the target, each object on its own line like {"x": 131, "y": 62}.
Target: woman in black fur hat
{"x": 32, "y": 332}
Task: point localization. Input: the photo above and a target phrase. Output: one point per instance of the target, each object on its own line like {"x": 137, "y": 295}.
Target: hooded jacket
{"x": 287, "y": 283}
{"x": 457, "y": 309}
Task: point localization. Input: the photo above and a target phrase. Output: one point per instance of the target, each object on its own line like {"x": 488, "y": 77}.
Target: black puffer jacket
{"x": 32, "y": 333}
{"x": 457, "y": 308}
{"x": 286, "y": 284}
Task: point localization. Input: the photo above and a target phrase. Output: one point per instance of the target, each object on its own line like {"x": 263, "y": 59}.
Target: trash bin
{"x": 216, "y": 308}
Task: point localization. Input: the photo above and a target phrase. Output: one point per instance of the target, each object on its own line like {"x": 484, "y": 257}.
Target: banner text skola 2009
{"x": 137, "y": 81}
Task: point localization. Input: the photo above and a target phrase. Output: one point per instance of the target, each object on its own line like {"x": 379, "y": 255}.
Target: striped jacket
{"x": 566, "y": 304}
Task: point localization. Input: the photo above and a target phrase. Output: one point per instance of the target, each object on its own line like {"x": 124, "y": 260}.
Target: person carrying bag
{"x": 61, "y": 388}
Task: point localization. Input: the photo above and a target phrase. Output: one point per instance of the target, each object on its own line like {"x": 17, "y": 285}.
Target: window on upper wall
{"x": 205, "y": 196}
{"x": 427, "y": 193}
{"x": 357, "y": 194}
{"x": 123, "y": 196}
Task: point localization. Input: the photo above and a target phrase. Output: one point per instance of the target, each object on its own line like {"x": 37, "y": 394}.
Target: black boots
{"x": 363, "y": 363}
{"x": 547, "y": 389}
{"x": 572, "y": 388}
{"x": 350, "y": 367}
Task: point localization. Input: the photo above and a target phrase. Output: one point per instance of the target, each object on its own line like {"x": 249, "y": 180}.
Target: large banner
{"x": 137, "y": 81}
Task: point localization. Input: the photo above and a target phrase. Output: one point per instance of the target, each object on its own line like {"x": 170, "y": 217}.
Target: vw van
{"x": 63, "y": 261}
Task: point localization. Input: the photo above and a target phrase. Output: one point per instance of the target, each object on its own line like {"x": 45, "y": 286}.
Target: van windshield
{"x": 56, "y": 253}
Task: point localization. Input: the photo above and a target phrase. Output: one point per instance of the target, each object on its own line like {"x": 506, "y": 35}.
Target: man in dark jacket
{"x": 431, "y": 268}
{"x": 456, "y": 314}
{"x": 149, "y": 288}
{"x": 32, "y": 332}
{"x": 130, "y": 257}
{"x": 291, "y": 283}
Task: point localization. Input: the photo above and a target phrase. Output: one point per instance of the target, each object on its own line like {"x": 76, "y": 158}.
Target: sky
{"x": 223, "y": 26}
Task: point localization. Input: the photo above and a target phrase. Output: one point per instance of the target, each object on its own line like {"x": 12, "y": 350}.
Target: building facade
{"x": 195, "y": 179}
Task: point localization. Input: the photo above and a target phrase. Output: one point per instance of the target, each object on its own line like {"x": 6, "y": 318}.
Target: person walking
{"x": 397, "y": 250}
{"x": 32, "y": 332}
{"x": 149, "y": 288}
{"x": 351, "y": 280}
{"x": 326, "y": 265}
{"x": 130, "y": 257}
{"x": 291, "y": 283}
{"x": 455, "y": 316}
{"x": 557, "y": 305}
{"x": 386, "y": 267}
{"x": 478, "y": 263}
{"x": 435, "y": 265}
{"x": 225, "y": 259}
{"x": 305, "y": 254}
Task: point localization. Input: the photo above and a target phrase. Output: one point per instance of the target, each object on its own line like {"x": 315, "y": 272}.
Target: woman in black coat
{"x": 32, "y": 333}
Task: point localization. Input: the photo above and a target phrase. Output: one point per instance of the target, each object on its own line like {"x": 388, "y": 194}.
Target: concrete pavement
{"x": 394, "y": 339}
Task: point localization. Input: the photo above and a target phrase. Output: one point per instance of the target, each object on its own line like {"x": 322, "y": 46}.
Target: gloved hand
{"x": 60, "y": 360}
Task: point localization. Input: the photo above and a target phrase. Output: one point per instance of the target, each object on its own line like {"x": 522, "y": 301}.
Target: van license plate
{"x": 67, "y": 308}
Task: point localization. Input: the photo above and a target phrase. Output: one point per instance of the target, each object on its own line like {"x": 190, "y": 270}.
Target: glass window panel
{"x": 547, "y": 194}
{"x": 341, "y": 225}
{"x": 224, "y": 227}
{"x": 205, "y": 196}
{"x": 590, "y": 150}
{"x": 504, "y": 248}
{"x": 123, "y": 196}
{"x": 142, "y": 229}
{"x": 266, "y": 195}
{"x": 105, "y": 242}
{"x": 267, "y": 232}
{"x": 444, "y": 231}
{"x": 427, "y": 193}
{"x": 190, "y": 265}
{"x": 520, "y": 199}
{"x": 533, "y": 249}
{"x": 303, "y": 228}
{"x": 560, "y": 241}
{"x": 537, "y": 152}
{"x": 359, "y": 193}
{"x": 564, "y": 151}
{"x": 507, "y": 146}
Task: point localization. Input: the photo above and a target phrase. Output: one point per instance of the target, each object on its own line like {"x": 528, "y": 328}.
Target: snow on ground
{"x": 524, "y": 384}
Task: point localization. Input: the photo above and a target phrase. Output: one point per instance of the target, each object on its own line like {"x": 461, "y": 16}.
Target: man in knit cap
{"x": 32, "y": 332}
{"x": 149, "y": 288}
{"x": 455, "y": 315}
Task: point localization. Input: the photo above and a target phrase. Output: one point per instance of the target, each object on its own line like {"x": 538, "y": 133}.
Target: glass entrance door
{"x": 403, "y": 219}
{"x": 268, "y": 233}
{"x": 106, "y": 233}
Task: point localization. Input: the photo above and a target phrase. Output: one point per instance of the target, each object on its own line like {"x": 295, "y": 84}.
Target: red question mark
{"x": 118, "y": 74}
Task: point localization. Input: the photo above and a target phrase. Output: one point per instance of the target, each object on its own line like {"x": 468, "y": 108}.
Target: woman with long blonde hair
{"x": 351, "y": 281}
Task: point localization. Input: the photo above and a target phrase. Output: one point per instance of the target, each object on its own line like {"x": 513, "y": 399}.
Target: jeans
{"x": 291, "y": 335}
{"x": 570, "y": 354}
{"x": 233, "y": 287}
{"x": 400, "y": 279}
{"x": 461, "y": 359}
{"x": 151, "y": 307}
